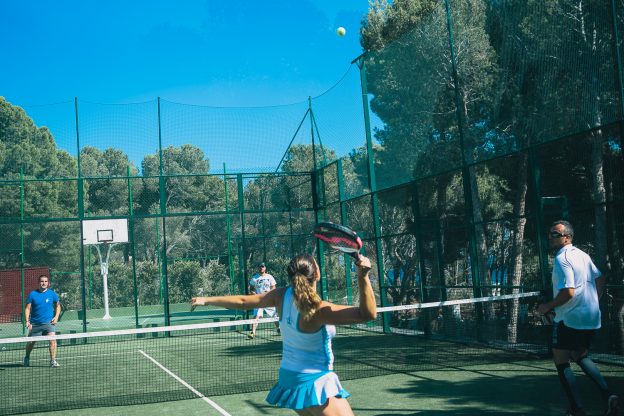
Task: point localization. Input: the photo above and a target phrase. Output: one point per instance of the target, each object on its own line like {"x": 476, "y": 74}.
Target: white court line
{"x": 188, "y": 386}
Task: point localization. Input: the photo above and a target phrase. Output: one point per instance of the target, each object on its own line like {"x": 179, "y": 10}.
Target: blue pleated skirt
{"x": 300, "y": 390}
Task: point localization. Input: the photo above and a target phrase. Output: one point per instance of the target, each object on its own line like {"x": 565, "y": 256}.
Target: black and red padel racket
{"x": 339, "y": 237}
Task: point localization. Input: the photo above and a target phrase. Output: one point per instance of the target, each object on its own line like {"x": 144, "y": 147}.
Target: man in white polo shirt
{"x": 262, "y": 282}
{"x": 577, "y": 287}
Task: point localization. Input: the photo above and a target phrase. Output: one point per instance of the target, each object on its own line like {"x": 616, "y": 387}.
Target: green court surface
{"x": 458, "y": 368}
{"x": 524, "y": 387}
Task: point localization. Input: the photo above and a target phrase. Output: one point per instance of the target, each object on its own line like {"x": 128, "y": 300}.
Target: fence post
{"x": 162, "y": 192}
{"x": 83, "y": 292}
{"x": 372, "y": 183}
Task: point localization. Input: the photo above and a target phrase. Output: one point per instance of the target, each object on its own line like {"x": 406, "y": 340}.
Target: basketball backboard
{"x": 104, "y": 231}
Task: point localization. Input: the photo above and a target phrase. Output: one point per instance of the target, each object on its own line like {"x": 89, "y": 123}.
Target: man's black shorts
{"x": 566, "y": 338}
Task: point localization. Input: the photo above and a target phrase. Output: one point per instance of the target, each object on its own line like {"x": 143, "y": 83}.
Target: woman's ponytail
{"x": 302, "y": 272}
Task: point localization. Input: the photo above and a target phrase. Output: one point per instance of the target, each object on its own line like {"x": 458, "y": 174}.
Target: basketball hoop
{"x": 106, "y": 233}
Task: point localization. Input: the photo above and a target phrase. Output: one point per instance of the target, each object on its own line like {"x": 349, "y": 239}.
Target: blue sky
{"x": 235, "y": 53}
{"x": 224, "y": 53}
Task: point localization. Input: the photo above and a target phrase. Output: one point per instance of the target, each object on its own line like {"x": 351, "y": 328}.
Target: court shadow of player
{"x": 357, "y": 410}
{"x": 479, "y": 412}
{"x": 262, "y": 408}
{"x": 517, "y": 387}
{"x": 10, "y": 365}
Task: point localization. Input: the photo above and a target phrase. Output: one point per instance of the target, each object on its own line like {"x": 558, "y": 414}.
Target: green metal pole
{"x": 241, "y": 256}
{"x": 228, "y": 230}
{"x": 318, "y": 135}
{"x": 319, "y": 244}
{"x": 618, "y": 56}
{"x": 262, "y": 227}
{"x": 467, "y": 189}
{"x": 132, "y": 250}
{"x": 83, "y": 289}
{"x": 316, "y": 203}
{"x": 163, "y": 212}
{"x": 22, "y": 277}
{"x": 290, "y": 237}
{"x": 344, "y": 220}
{"x": 422, "y": 265}
{"x": 312, "y": 134}
{"x": 159, "y": 263}
{"x": 372, "y": 182}
{"x": 542, "y": 246}
{"x": 440, "y": 260}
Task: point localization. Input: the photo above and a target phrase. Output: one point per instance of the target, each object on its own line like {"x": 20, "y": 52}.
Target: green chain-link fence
{"x": 461, "y": 137}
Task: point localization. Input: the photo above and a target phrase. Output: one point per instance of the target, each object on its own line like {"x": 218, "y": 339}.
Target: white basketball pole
{"x": 104, "y": 271}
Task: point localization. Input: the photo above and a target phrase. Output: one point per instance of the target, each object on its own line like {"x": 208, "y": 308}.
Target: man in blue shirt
{"x": 41, "y": 313}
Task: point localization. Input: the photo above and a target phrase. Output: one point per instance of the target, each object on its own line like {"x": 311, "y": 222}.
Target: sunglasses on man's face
{"x": 554, "y": 234}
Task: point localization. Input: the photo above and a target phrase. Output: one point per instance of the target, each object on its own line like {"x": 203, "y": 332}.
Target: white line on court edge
{"x": 188, "y": 386}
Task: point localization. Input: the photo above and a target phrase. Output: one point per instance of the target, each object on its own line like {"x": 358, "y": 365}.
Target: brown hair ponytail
{"x": 302, "y": 273}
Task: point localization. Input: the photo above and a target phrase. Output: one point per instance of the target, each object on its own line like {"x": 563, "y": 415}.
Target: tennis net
{"x": 148, "y": 365}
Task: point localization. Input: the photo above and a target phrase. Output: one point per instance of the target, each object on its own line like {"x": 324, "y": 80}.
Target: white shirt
{"x": 573, "y": 268}
{"x": 262, "y": 283}
{"x": 304, "y": 352}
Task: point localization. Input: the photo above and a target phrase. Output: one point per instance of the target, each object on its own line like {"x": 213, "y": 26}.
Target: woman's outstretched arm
{"x": 244, "y": 302}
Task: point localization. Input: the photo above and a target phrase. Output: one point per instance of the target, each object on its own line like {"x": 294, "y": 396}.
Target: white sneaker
{"x": 54, "y": 364}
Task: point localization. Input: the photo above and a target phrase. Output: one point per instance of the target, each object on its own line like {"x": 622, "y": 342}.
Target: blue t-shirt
{"x": 42, "y": 306}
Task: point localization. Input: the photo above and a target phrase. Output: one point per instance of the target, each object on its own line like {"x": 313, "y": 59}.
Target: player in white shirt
{"x": 577, "y": 287}
{"x": 262, "y": 282}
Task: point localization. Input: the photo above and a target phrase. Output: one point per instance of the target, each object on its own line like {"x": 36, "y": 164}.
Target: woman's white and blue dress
{"x": 306, "y": 376}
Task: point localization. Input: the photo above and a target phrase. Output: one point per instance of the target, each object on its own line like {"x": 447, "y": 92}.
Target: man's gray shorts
{"x": 41, "y": 329}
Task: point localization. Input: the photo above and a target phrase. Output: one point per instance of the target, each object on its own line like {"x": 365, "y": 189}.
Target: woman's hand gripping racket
{"x": 339, "y": 237}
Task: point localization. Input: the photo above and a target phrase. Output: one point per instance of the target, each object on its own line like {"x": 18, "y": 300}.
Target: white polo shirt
{"x": 262, "y": 283}
{"x": 573, "y": 268}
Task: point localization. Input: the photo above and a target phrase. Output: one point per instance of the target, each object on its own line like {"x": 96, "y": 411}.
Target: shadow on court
{"x": 517, "y": 388}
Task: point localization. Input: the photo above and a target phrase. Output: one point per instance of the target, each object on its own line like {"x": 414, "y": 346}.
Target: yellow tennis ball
{"x": 341, "y": 31}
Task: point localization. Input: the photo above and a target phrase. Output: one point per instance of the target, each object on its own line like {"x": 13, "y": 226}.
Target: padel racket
{"x": 548, "y": 318}
{"x": 339, "y": 237}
